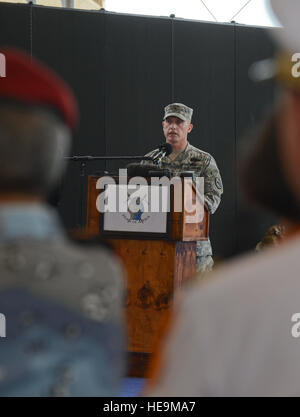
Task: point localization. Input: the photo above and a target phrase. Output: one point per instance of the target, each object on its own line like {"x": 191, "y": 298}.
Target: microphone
{"x": 148, "y": 170}
{"x": 164, "y": 150}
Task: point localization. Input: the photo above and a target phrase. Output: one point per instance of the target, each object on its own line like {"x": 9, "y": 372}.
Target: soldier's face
{"x": 176, "y": 131}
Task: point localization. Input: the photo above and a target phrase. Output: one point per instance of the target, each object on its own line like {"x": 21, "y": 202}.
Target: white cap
{"x": 288, "y": 13}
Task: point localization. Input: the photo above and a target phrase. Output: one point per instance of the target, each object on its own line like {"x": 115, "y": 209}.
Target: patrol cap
{"x": 179, "y": 110}
{"x": 29, "y": 81}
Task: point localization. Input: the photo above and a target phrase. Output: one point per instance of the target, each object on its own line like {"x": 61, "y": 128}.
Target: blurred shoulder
{"x": 89, "y": 280}
{"x": 249, "y": 283}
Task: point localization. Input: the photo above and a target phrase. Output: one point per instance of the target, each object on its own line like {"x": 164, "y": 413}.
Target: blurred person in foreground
{"x": 265, "y": 183}
{"x": 237, "y": 334}
{"x": 61, "y": 324}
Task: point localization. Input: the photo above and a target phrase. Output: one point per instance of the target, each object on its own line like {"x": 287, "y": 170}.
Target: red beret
{"x": 29, "y": 81}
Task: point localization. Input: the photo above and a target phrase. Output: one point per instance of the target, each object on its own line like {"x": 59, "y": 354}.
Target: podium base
{"x": 138, "y": 364}
{"x": 155, "y": 271}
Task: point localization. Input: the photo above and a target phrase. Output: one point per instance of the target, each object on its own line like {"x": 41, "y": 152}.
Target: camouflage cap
{"x": 179, "y": 110}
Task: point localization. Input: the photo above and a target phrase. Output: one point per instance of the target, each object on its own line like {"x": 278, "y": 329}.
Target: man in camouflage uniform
{"x": 185, "y": 157}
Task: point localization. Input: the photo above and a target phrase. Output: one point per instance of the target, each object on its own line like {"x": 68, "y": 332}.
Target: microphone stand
{"x": 104, "y": 158}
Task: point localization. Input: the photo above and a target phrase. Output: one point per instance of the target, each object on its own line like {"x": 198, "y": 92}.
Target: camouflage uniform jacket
{"x": 203, "y": 165}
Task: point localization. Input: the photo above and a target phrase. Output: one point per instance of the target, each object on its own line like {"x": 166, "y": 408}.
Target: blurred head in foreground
{"x": 263, "y": 176}
{"x": 283, "y": 129}
{"x": 37, "y": 114}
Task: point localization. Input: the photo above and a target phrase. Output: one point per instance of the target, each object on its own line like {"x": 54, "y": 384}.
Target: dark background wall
{"x": 124, "y": 69}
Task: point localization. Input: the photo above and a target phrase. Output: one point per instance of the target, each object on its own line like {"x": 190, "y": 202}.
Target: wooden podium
{"x": 156, "y": 264}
